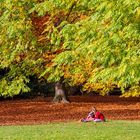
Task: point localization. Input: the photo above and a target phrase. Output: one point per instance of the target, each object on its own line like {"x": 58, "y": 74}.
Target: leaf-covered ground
{"x": 42, "y": 110}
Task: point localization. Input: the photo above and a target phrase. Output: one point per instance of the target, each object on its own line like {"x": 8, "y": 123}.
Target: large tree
{"x": 94, "y": 43}
{"x": 99, "y": 42}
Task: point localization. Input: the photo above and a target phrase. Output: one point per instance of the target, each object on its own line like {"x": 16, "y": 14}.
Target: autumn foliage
{"x": 90, "y": 43}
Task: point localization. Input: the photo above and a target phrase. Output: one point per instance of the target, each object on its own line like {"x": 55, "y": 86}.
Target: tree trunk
{"x": 60, "y": 95}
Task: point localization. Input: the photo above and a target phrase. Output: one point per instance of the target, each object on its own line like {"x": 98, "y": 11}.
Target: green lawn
{"x": 111, "y": 130}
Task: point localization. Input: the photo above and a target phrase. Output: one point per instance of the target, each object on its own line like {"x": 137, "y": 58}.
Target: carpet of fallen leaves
{"x": 41, "y": 110}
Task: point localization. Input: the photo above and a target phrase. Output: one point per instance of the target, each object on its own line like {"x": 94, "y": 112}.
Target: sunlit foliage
{"x": 94, "y": 43}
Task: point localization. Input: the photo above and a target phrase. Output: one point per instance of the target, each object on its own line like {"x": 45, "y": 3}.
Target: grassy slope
{"x": 112, "y": 130}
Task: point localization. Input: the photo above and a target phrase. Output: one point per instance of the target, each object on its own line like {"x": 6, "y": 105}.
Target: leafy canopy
{"x": 93, "y": 43}
{"x": 101, "y": 47}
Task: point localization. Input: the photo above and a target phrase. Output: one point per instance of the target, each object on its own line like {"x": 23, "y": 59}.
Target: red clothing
{"x": 99, "y": 115}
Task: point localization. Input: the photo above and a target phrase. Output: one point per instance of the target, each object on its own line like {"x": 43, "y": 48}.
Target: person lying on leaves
{"x": 94, "y": 115}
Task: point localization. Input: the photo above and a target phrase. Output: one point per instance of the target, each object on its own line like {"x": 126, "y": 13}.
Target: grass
{"x": 111, "y": 130}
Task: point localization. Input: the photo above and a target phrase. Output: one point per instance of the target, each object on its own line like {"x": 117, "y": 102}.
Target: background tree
{"x": 17, "y": 46}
